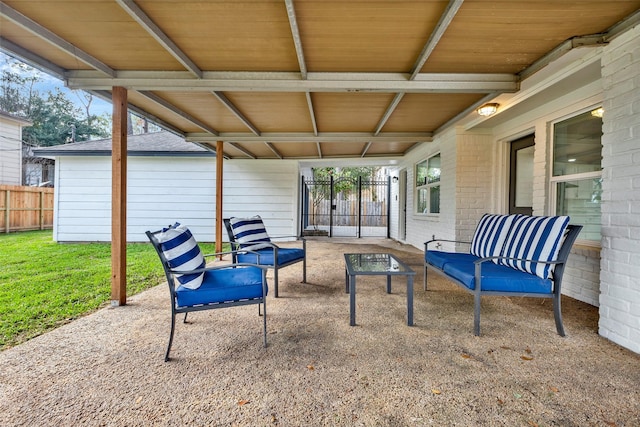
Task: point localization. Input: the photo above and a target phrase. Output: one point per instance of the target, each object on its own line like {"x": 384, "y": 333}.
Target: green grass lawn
{"x": 44, "y": 284}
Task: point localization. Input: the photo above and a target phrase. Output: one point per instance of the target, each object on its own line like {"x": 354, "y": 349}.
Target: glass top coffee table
{"x": 376, "y": 264}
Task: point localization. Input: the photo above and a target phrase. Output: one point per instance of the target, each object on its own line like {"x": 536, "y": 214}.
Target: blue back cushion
{"x": 490, "y": 235}
{"x": 182, "y": 253}
{"x": 536, "y": 238}
{"x": 249, "y": 231}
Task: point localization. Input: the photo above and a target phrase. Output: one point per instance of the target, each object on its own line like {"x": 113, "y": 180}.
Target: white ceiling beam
{"x": 55, "y": 40}
{"x": 108, "y": 97}
{"x": 31, "y": 58}
{"x": 147, "y": 23}
{"x": 436, "y": 35}
{"x": 242, "y": 150}
{"x": 390, "y": 109}
{"x": 312, "y": 113}
{"x": 165, "y": 104}
{"x": 295, "y": 33}
{"x": 294, "y": 137}
{"x": 366, "y": 148}
{"x": 227, "y": 103}
{"x": 275, "y": 151}
{"x": 434, "y": 38}
{"x": 297, "y": 42}
{"x": 292, "y": 82}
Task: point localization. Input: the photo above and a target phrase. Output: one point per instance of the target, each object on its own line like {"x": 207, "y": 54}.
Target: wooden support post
{"x": 219, "y": 158}
{"x": 119, "y": 198}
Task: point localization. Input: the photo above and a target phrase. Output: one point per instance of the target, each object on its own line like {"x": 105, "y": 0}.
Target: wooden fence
{"x": 25, "y": 208}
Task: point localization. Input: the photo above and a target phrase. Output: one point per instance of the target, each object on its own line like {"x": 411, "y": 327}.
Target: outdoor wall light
{"x": 598, "y": 112}
{"x": 394, "y": 179}
{"x": 488, "y": 109}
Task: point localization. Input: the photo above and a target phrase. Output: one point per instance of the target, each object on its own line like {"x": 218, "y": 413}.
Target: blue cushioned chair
{"x": 222, "y": 286}
{"x": 250, "y": 234}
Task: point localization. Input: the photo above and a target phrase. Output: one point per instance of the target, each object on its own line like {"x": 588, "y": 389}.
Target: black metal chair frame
{"x": 555, "y": 295}
{"x": 171, "y": 281}
{"x": 235, "y": 247}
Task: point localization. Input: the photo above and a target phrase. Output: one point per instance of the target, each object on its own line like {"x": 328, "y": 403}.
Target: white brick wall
{"x": 467, "y": 186}
{"x": 620, "y": 265}
{"x": 474, "y": 187}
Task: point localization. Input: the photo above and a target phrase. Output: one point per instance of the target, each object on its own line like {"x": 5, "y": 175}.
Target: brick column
{"x": 620, "y": 264}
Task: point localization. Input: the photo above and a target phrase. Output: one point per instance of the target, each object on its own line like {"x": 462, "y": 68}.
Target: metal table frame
{"x": 376, "y": 264}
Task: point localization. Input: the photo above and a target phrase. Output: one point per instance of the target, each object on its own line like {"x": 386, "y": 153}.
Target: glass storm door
{"x": 521, "y": 176}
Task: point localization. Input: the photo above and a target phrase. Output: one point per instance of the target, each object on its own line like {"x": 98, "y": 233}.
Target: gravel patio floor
{"x": 107, "y": 369}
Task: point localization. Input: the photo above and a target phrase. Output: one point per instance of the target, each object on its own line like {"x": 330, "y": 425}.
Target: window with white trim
{"x": 428, "y": 185}
{"x": 576, "y": 181}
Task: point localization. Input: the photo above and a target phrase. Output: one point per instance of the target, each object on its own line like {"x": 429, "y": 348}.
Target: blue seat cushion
{"x": 497, "y": 278}
{"x": 229, "y": 284}
{"x": 440, "y": 258}
{"x": 285, "y": 256}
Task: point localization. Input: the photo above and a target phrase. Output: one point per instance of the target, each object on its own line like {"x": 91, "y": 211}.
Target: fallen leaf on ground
{"x": 504, "y": 347}
{"x": 526, "y": 358}
{"x": 310, "y": 367}
{"x": 466, "y": 356}
{"x": 500, "y": 401}
{"x": 532, "y": 423}
{"x": 242, "y": 402}
{"x": 554, "y": 389}
{"x": 527, "y": 350}
{"x": 435, "y": 391}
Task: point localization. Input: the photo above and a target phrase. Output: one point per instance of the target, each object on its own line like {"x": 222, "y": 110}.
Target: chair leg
{"x": 304, "y": 269}
{"x": 476, "y": 314}
{"x": 275, "y": 281}
{"x": 264, "y": 321}
{"x": 185, "y": 318}
{"x": 425, "y": 275}
{"x": 173, "y": 327}
{"x": 557, "y": 314}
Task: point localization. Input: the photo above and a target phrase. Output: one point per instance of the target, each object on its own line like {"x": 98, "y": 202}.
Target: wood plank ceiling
{"x": 301, "y": 79}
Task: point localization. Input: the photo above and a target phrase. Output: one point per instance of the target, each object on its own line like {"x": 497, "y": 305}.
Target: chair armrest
{"x": 491, "y": 258}
{"x": 218, "y": 267}
{"x": 287, "y": 237}
{"x": 426, "y": 244}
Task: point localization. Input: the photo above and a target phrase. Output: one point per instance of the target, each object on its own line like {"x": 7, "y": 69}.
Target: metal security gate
{"x": 345, "y": 207}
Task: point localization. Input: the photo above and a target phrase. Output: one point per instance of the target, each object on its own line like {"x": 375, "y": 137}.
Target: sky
{"x": 50, "y": 83}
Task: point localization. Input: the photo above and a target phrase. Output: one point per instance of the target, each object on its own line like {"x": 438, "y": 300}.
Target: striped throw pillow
{"x": 537, "y": 238}
{"x": 490, "y": 235}
{"x": 183, "y": 254}
{"x": 249, "y": 231}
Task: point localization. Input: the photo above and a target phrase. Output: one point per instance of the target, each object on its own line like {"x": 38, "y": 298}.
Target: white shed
{"x": 168, "y": 180}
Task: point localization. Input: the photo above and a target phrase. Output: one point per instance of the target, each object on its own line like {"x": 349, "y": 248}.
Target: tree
{"x": 56, "y": 120}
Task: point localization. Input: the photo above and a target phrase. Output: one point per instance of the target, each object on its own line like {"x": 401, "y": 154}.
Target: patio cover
{"x": 304, "y": 79}
{"x": 298, "y": 79}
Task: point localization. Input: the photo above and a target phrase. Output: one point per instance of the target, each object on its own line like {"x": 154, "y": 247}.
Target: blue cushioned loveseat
{"x": 509, "y": 255}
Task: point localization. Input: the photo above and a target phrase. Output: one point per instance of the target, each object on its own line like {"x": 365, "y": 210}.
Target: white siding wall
{"x": 10, "y": 152}
{"x": 163, "y": 190}
{"x": 620, "y": 274}
{"x": 269, "y": 188}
